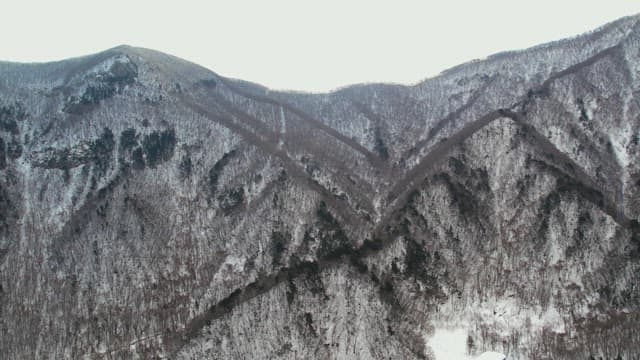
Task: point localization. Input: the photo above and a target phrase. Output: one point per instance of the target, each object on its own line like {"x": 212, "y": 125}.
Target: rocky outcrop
{"x": 150, "y": 208}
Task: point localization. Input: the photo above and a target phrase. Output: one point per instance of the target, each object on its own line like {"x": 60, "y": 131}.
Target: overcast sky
{"x": 302, "y": 45}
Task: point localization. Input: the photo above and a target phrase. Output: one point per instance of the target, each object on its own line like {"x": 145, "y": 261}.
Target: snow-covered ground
{"x": 452, "y": 345}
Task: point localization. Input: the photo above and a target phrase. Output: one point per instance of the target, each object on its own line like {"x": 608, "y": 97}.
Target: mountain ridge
{"x": 127, "y": 49}
{"x": 154, "y": 209}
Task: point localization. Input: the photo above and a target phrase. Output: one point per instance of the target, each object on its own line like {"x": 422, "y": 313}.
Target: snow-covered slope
{"x": 150, "y": 208}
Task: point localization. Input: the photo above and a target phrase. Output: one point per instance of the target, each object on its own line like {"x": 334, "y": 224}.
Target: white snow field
{"x": 452, "y": 345}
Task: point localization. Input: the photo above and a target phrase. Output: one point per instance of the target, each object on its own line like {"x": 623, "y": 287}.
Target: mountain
{"x": 151, "y": 208}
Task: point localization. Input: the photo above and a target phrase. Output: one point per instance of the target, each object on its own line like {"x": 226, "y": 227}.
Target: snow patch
{"x": 452, "y": 345}
{"x": 619, "y": 143}
{"x": 491, "y": 355}
{"x": 449, "y": 344}
{"x": 231, "y": 264}
{"x": 235, "y": 263}
{"x": 107, "y": 64}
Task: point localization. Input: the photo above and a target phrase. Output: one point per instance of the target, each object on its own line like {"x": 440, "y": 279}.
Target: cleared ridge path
{"x": 373, "y": 159}
{"x": 271, "y": 147}
{"x": 355, "y": 191}
{"x": 398, "y": 194}
{"x": 397, "y": 198}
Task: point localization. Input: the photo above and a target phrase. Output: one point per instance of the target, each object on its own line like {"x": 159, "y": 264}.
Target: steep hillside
{"x": 150, "y": 208}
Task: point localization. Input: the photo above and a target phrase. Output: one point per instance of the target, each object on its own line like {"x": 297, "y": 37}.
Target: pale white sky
{"x": 302, "y": 45}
